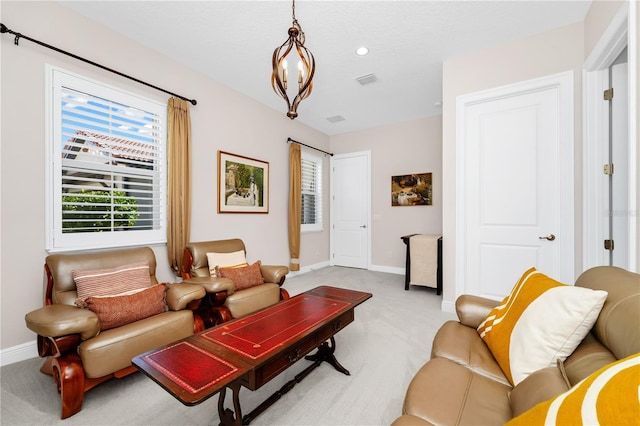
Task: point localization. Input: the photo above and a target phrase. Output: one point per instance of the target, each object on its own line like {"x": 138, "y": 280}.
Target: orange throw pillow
{"x": 243, "y": 276}
{"x": 119, "y": 310}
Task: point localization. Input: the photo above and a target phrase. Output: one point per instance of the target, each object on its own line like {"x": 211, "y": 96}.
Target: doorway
{"x": 350, "y": 232}
{"x": 617, "y": 187}
{"x": 611, "y": 192}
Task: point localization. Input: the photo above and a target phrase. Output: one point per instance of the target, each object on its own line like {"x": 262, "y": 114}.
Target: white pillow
{"x": 227, "y": 260}
{"x": 541, "y": 321}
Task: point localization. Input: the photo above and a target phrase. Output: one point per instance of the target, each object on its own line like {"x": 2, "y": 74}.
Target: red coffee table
{"x": 251, "y": 351}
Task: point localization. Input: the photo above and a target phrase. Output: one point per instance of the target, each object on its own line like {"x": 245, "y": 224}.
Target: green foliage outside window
{"x": 98, "y": 211}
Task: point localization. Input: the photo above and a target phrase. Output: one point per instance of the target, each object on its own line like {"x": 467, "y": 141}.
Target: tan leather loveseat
{"x": 462, "y": 383}
{"x": 79, "y": 354}
{"x": 225, "y": 300}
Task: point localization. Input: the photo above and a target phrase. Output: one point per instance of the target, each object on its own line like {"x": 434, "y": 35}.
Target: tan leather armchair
{"x": 78, "y": 354}
{"x": 224, "y": 302}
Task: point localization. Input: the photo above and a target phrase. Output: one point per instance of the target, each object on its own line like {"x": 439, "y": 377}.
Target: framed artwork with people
{"x": 412, "y": 190}
{"x": 243, "y": 184}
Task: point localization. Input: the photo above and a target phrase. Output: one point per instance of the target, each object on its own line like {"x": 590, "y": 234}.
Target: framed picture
{"x": 411, "y": 190}
{"x": 243, "y": 184}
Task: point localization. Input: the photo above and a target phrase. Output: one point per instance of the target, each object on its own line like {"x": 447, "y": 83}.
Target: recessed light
{"x": 361, "y": 51}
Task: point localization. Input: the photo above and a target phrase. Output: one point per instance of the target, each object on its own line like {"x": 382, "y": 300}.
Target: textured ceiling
{"x": 232, "y": 41}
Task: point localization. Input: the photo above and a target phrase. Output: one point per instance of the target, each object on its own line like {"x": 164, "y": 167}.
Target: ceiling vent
{"x": 367, "y": 79}
{"x": 336, "y": 118}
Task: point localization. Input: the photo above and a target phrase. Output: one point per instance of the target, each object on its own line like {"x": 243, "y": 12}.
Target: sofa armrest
{"x": 60, "y": 320}
{"x": 274, "y": 273}
{"x": 472, "y": 310}
{"x": 180, "y": 295}
{"x": 212, "y": 284}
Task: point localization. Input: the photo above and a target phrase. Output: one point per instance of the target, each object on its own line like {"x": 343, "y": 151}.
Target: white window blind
{"x": 108, "y": 166}
{"x": 311, "y": 193}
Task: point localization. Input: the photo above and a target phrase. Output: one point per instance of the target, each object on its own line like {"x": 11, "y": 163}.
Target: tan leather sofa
{"x": 78, "y": 354}
{"x": 223, "y": 301}
{"x": 462, "y": 383}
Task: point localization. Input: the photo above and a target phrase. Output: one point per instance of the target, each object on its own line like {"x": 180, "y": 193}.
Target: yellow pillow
{"x": 607, "y": 397}
{"x": 541, "y": 321}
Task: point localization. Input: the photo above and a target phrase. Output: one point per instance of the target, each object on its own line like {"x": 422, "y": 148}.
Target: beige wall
{"x": 409, "y": 147}
{"x": 540, "y": 55}
{"x": 597, "y": 20}
{"x": 222, "y": 120}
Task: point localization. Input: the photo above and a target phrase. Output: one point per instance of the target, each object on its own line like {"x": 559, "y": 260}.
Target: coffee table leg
{"x": 227, "y": 416}
{"x": 326, "y": 353}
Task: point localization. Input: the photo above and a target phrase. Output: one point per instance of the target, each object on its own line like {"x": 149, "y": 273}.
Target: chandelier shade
{"x": 293, "y": 48}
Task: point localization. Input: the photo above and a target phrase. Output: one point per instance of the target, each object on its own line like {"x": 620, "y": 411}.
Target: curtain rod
{"x": 4, "y": 29}
{"x": 308, "y": 146}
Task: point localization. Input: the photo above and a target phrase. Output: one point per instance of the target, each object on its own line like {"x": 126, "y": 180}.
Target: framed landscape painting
{"x": 243, "y": 184}
{"x": 411, "y": 190}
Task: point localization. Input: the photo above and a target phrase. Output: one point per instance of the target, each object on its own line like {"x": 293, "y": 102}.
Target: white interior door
{"x": 516, "y": 184}
{"x": 350, "y": 209}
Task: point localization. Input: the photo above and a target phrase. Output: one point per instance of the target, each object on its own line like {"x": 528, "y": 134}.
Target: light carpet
{"x": 387, "y": 343}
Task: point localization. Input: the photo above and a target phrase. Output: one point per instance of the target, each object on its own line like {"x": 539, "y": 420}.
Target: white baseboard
{"x": 376, "y": 268}
{"x": 448, "y": 307}
{"x": 18, "y": 353}
{"x": 387, "y": 269}
{"x": 309, "y": 268}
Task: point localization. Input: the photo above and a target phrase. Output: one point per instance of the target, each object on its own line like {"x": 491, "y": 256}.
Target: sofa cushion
{"x": 608, "y": 396}
{"x": 589, "y": 357}
{"x": 462, "y": 345}
{"x": 112, "y": 350}
{"x": 115, "y": 311}
{"x": 538, "y": 387}
{"x": 218, "y": 260}
{"x": 107, "y": 282}
{"x": 252, "y": 299}
{"x": 445, "y": 393}
{"x": 243, "y": 276}
{"x": 542, "y": 320}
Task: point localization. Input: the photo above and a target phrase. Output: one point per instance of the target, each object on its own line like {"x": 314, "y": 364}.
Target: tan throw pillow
{"x": 122, "y": 309}
{"x": 541, "y": 321}
{"x": 227, "y": 260}
{"x": 108, "y": 282}
{"x": 243, "y": 276}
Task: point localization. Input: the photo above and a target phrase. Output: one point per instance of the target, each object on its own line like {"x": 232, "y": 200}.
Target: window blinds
{"x": 311, "y": 190}
{"x": 111, "y": 165}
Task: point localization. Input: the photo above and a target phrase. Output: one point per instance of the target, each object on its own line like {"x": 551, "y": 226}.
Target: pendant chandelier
{"x": 305, "y": 71}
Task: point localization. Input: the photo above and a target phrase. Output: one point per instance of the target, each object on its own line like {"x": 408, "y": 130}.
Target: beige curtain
{"x": 295, "y": 191}
{"x": 179, "y": 181}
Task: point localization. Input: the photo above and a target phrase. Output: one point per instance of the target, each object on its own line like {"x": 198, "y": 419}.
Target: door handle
{"x": 549, "y": 237}
{"x": 363, "y": 226}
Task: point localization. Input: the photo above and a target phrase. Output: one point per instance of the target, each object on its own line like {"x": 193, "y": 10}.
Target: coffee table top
{"x": 195, "y": 368}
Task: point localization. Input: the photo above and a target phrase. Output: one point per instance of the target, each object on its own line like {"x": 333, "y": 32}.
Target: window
{"x": 311, "y": 193}
{"x": 106, "y": 165}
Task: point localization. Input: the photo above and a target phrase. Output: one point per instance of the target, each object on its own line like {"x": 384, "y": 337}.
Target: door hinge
{"x": 608, "y": 169}
{"x": 608, "y": 94}
{"x": 608, "y": 244}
